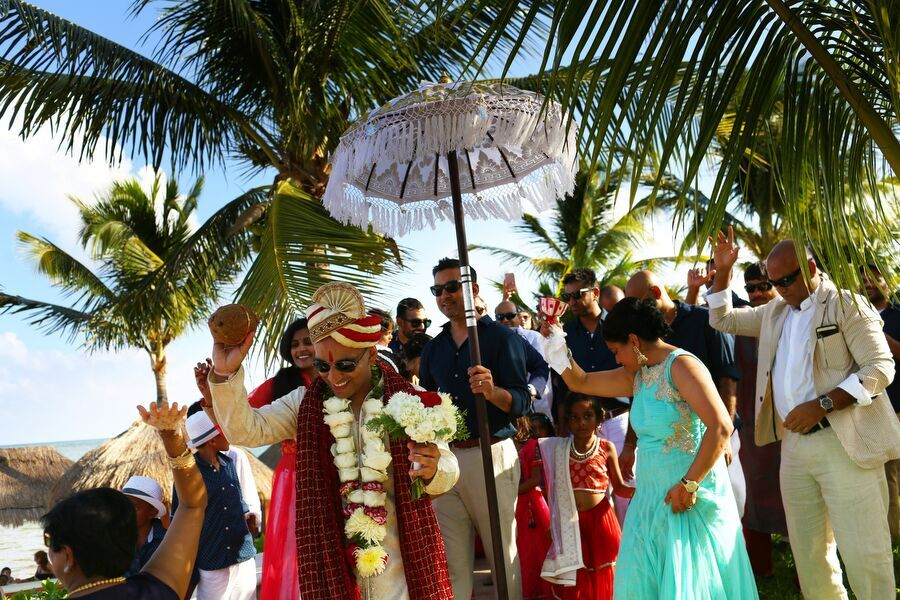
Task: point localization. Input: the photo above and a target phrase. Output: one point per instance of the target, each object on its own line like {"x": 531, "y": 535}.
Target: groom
{"x": 344, "y": 337}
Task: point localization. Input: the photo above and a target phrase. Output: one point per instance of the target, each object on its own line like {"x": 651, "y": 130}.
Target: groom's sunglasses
{"x": 345, "y": 365}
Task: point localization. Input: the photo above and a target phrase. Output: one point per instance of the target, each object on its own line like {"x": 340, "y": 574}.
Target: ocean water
{"x": 18, "y": 544}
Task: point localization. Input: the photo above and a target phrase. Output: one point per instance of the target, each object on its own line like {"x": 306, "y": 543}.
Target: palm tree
{"x": 271, "y": 84}
{"x": 836, "y": 61}
{"x": 585, "y": 233}
{"x": 141, "y": 240}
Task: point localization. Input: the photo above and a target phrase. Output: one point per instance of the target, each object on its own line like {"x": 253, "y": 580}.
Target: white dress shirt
{"x": 248, "y": 484}
{"x": 792, "y": 372}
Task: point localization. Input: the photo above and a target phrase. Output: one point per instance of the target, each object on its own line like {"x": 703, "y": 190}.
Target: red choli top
{"x": 590, "y": 475}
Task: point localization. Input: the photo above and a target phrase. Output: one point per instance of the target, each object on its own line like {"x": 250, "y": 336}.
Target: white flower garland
{"x": 362, "y": 479}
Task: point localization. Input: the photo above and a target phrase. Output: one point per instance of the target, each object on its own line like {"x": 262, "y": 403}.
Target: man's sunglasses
{"x": 763, "y": 286}
{"x": 345, "y": 365}
{"x": 787, "y": 280}
{"x": 451, "y": 286}
{"x": 505, "y": 316}
{"x": 47, "y": 539}
{"x": 416, "y": 323}
{"x": 573, "y": 295}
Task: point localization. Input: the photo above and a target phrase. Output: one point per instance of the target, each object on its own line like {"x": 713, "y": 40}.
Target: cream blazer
{"x": 869, "y": 434}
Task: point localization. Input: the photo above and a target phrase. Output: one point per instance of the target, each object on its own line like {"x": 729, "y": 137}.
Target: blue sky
{"x": 50, "y": 390}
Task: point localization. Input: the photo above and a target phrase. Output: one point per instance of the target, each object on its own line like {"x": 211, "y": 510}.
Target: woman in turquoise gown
{"x": 675, "y": 544}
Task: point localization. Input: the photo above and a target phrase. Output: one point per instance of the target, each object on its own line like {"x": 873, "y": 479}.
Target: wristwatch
{"x": 826, "y": 403}
{"x": 690, "y": 486}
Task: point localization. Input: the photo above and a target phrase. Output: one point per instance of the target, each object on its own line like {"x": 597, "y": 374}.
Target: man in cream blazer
{"x": 823, "y": 368}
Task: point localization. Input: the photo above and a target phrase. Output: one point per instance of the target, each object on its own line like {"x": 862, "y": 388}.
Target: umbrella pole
{"x": 484, "y": 433}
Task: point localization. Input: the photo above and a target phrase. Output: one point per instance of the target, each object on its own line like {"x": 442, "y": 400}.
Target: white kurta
{"x": 277, "y": 421}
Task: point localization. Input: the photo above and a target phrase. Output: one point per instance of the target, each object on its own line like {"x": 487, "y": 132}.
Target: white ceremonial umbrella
{"x": 450, "y": 150}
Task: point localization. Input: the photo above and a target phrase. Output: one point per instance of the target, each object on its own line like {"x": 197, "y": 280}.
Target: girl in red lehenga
{"x": 581, "y": 468}
{"x": 279, "y": 572}
{"x": 532, "y": 515}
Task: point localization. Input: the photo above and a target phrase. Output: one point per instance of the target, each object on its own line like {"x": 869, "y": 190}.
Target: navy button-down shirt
{"x": 891, "y": 318}
{"x": 444, "y": 368}
{"x": 691, "y": 331}
{"x": 145, "y": 552}
{"x": 591, "y": 353}
{"x": 225, "y": 539}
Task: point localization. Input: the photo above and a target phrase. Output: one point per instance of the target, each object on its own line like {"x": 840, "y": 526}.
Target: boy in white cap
{"x": 146, "y": 496}
{"x": 225, "y": 554}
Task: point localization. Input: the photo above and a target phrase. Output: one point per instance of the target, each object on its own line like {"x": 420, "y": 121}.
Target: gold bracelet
{"x": 184, "y": 461}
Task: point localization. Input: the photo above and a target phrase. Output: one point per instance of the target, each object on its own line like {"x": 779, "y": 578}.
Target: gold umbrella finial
{"x": 444, "y": 77}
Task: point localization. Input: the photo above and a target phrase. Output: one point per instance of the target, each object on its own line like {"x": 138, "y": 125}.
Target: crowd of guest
{"x": 647, "y": 447}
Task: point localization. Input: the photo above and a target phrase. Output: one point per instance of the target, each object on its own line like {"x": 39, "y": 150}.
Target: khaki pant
{"x": 892, "y": 472}
{"x": 828, "y": 499}
{"x": 463, "y": 510}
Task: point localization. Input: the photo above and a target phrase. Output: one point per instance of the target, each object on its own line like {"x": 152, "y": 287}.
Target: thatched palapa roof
{"x": 137, "y": 451}
{"x": 26, "y": 477}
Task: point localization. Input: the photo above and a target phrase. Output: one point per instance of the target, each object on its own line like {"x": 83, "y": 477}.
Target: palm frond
{"x": 65, "y": 271}
{"x": 49, "y": 318}
{"x": 303, "y": 248}
{"x": 87, "y": 88}
{"x": 684, "y": 63}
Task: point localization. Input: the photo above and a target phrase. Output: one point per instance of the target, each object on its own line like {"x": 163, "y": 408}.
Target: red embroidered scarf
{"x": 323, "y": 569}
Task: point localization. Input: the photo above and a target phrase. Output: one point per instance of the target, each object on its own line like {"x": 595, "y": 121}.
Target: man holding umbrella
{"x": 501, "y": 379}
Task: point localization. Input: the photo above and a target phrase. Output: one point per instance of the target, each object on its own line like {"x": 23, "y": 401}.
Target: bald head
{"x": 507, "y": 313}
{"x": 644, "y": 285}
{"x": 610, "y": 296}
{"x": 783, "y": 267}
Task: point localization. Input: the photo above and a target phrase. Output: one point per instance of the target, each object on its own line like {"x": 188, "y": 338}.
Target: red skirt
{"x": 279, "y": 571}
{"x": 532, "y": 542}
{"x": 600, "y": 537}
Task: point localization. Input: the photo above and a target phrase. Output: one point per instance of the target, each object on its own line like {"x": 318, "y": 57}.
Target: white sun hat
{"x": 200, "y": 429}
{"x": 146, "y": 489}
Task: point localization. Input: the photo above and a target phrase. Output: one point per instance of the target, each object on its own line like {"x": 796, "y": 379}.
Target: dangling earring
{"x": 642, "y": 360}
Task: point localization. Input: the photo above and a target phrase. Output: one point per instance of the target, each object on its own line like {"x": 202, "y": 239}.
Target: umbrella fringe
{"x": 509, "y": 202}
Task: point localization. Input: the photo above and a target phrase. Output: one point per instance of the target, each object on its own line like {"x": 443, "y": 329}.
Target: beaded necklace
{"x": 587, "y": 454}
{"x": 89, "y": 586}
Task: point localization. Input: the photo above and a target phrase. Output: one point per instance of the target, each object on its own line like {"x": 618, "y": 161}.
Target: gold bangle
{"x": 183, "y": 461}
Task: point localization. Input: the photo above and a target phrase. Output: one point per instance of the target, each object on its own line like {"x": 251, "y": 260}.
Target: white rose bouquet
{"x": 423, "y": 417}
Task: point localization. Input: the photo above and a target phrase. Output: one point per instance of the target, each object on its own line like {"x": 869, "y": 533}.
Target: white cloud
{"x": 67, "y": 394}
{"x": 38, "y": 177}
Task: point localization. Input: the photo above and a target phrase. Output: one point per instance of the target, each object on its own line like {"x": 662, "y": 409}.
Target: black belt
{"x": 823, "y": 424}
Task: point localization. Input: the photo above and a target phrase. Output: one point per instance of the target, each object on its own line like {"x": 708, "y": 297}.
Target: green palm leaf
{"x": 64, "y": 271}
{"x": 49, "y": 318}
{"x": 303, "y": 248}
{"x": 685, "y": 62}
